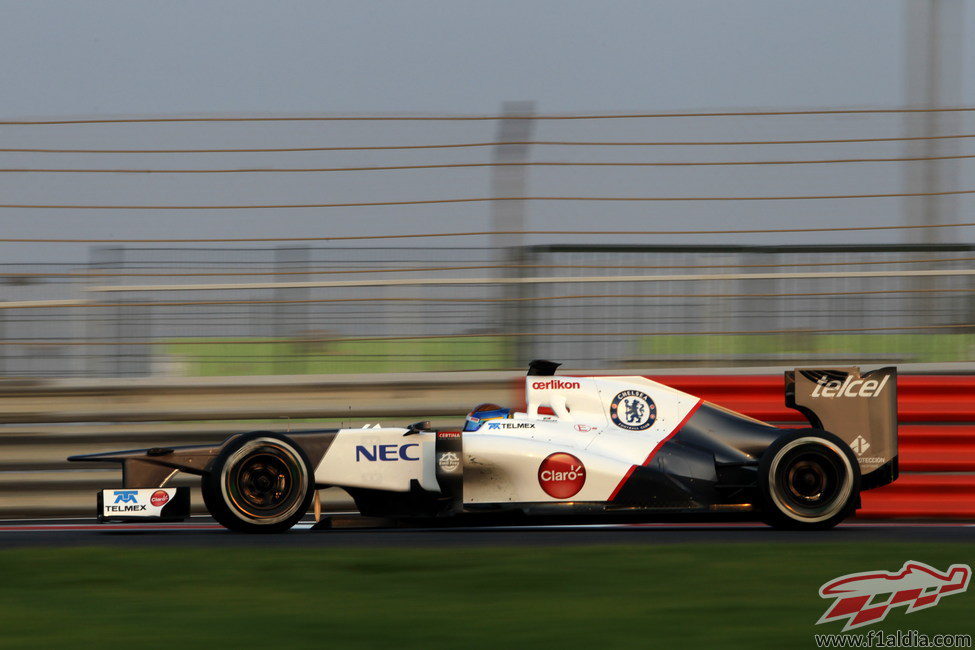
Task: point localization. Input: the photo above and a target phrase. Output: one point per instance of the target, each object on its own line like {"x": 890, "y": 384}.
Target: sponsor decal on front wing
{"x": 147, "y": 502}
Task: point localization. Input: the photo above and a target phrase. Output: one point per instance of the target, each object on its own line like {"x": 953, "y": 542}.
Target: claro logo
{"x": 555, "y": 384}
{"x": 849, "y": 387}
{"x": 561, "y": 475}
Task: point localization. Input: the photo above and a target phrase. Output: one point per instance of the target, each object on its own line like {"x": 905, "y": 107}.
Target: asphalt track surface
{"x": 205, "y": 532}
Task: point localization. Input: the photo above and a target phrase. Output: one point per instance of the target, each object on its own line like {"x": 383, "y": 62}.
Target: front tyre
{"x": 260, "y": 482}
{"x": 808, "y": 479}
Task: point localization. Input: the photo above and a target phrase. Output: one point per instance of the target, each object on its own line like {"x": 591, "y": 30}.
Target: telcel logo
{"x": 384, "y": 452}
{"x": 125, "y": 496}
{"x": 556, "y": 384}
{"x": 850, "y": 387}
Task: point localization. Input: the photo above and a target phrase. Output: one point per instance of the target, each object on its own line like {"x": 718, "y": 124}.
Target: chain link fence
{"x": 211, "y": 311}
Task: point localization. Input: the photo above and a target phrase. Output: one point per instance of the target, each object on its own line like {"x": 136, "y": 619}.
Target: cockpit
{"x": 484, "y": 412}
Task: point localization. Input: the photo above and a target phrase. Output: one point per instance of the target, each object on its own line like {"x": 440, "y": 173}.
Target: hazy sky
{"x": 69, "y": 59}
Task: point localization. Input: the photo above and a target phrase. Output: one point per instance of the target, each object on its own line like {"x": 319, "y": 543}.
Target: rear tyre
{"x": 260, "y": 482}
{"x": 808, "y": 479}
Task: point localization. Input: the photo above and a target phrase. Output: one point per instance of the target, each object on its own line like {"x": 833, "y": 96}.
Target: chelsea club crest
{"x": 633, "y": 410}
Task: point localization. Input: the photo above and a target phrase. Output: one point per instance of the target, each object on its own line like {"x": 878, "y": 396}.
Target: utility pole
{"x": 509, "y": 179}
{"x": 933, "y": 79}
{"x": 934, "y": 40}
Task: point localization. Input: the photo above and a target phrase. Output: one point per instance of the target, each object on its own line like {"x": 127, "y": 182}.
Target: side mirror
{"x": 417, "y": 427}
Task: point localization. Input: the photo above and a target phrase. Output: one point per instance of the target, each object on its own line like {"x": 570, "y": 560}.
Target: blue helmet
{"x": 484, "y": 412}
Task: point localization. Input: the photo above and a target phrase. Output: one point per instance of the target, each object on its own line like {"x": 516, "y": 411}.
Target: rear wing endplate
{"x": 860, "y": 409}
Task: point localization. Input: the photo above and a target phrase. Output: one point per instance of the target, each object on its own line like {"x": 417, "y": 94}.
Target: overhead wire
{"x": 375, "y": 168}
{"x": 480, "y": 199}
{"x": 474, "y": 118}
{"x": 475, "y": 233}
{"x": 490, "y": 143}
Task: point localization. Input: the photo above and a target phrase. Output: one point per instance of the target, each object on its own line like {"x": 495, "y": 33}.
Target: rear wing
{"x": 860, "y": 409}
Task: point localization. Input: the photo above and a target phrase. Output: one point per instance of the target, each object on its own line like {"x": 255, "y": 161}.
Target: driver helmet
{"x": 484, "y": 412}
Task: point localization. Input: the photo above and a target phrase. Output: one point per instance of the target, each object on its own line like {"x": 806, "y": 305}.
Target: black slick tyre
{"x": 260, "y": 482}
{"x": 808, "y": 479}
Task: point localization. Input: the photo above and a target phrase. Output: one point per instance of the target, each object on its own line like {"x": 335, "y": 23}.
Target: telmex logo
{"x": 556, "y": 384}
{"x": 384, "y": 452}
{"x": 125, "y": 496}
{"x": 916, "y": 586}
{"x": 849, "y": 387}
{"x": 511, "y": 425}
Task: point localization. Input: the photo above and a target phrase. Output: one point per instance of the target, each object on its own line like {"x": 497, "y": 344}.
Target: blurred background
{"x": 217, "y": 212}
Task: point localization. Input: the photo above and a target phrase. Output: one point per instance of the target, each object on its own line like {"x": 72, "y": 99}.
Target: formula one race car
{"x": 586, "y": 449}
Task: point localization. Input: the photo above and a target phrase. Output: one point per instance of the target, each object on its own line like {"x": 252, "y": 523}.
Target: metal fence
{"x": 138, "y": 311}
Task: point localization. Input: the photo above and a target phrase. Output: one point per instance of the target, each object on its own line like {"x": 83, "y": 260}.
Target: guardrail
{"x": 937, "y": 432}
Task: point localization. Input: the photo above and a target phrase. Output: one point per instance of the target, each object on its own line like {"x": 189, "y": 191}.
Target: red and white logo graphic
{"x": 561, "y": 475}
{"x": 866, "y": 598}
{"x": 585, "y": 427}
{"x": 159, "y": 498}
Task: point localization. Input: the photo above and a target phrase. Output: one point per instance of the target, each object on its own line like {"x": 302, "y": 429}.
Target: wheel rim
{"x": 810, "y": 479}
{"x": 264, "y": 481}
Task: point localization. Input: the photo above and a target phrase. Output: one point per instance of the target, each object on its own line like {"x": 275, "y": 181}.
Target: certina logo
{"x": 556, "y": 384}
{"x": 633, "y": 410}
{"x": 916, "y": 586}
{"x": 510, "y": 425}
{"x": 448, "y": 434}
{"x": 561, "y": 475}
{"x": 159, "y": 498}
{"x": 849, "y": 387}
{"x": 385, "y": 452}
{"x": 449, "y": 461}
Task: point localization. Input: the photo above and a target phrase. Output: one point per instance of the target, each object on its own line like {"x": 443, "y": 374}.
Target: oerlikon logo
{"x": 561, "y": 475}
{"x": 866, "y": 598}
{"x": 556, "y": 384}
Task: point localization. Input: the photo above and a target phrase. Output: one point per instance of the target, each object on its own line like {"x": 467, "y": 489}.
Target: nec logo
{"x": 125, "y": 496}
{"x": 384, "y": 452}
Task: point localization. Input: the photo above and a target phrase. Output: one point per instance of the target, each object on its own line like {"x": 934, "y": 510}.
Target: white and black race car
{"x": 585, "y": 449}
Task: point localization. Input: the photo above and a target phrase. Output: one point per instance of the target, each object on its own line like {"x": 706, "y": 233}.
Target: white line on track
{"x": 39, "y": 527}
